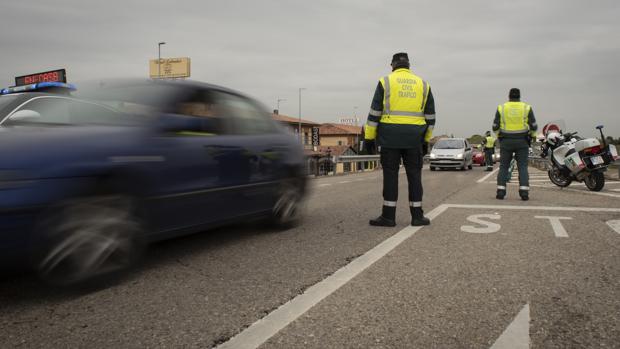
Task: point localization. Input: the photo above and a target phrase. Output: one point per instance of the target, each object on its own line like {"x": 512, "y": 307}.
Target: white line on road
{"x": 581, "y": 191}
{"x": 324, "y": 185}
{"x": 615, "y": 225}
{"x": 343, "y": 182}
{"x": 263, "y": 329}
{"x": 537, "y": 208}
{"x": 517, "y": 334}
{"x": 487, "y": 176}
{"x": 558, "y": 228}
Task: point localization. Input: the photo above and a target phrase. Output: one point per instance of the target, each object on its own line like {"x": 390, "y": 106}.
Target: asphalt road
{"x": 542, "y": 274}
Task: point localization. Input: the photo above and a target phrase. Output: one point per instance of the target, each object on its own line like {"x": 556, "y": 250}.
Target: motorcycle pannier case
{"x": 613, "y": 151}
{"x": 574, "y": 163}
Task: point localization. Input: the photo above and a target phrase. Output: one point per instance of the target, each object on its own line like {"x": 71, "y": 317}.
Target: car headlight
{"x": 459, "y": 156}
{"x": 433, "y": 156}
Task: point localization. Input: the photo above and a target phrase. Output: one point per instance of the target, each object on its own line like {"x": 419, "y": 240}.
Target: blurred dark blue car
{"x": 87, "y": 179}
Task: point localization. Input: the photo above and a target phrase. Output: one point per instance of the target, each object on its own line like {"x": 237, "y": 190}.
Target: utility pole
{"x": 299, "y": 127}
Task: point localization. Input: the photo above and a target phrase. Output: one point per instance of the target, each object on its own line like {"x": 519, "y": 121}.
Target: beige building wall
{"x": 333, "y": 140}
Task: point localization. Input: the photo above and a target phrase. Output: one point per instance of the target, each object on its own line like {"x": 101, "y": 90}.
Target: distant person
{"x": 401, "y": 120}
{"x": 515, "y": 125}
{"x": 489, "y": 150}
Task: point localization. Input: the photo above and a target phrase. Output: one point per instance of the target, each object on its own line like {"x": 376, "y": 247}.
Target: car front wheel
{"x": 88, "y": 237}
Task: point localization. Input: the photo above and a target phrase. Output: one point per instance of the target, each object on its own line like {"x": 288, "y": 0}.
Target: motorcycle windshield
{"x": 557, "y": 125}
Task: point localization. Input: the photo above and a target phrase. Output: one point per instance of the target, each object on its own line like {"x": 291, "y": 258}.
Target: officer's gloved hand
{"x": 371, "y": 147}
{"x": 424, "y": 148}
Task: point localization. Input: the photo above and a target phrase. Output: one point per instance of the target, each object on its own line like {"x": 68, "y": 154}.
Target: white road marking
{"x": 534, "y": 208}
{"x": 556, "y": 224}
{"x": 615, "y": 225}
{"x": 489, "y": 227}
{"x": 615, "y": 189}
{"x": 517, "y": 334}
{"x": 263, "y": 329}
{"x": 487, "y": 176}
{"x": 343, "y": 182}
{"x": 324, "y": 185}
{"x": 581, "y": 191}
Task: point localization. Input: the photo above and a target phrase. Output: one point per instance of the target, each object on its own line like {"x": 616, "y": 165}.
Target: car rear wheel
{"x": 89, "y": 237}
{"x": 432, "y": 168}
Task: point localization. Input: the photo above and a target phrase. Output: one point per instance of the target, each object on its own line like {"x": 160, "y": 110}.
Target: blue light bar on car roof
{"x": 37, "y": 87}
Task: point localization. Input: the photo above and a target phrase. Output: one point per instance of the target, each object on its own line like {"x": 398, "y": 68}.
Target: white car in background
{"x": 451, "y": 153}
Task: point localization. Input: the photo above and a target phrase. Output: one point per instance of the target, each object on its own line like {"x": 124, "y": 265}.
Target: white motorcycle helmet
{"x": 553, "y": 137}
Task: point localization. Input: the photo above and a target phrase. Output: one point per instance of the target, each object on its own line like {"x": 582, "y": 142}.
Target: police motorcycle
{"x": 576, "y": 159}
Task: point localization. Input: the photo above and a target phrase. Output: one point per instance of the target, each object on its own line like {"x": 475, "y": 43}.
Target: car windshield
{"x": 449, "y": 144}
{"x": 5, "y": 101}
{"x": 52, "y": 110}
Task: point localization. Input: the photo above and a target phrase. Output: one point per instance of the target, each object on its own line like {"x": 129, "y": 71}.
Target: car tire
{"x": 432, "y": 168}
{"x": 288, "y": 207}
{"x": 88, "y": 238}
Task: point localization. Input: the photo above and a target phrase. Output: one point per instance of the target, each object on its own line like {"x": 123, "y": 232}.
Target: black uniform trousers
{"x": 488, "y": 156}
{"x": 390, "y": 161}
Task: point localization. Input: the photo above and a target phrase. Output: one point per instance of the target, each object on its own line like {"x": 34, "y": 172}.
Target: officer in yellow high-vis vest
{"x": 489, "y": 150}
{"x": 401, "y": 120}
{"x": 515, "y": 126}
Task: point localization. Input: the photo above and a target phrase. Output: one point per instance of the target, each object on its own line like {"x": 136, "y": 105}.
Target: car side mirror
{"x": 25, "y": 115}
{"x": 467, "y": 149}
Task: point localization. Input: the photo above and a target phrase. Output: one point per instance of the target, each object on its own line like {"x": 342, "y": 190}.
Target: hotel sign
{"x": 169, "y": 68}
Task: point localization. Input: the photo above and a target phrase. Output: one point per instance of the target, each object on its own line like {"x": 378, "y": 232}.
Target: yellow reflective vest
{"x": 490, "y": 142}
{"x": 404, "y": 101}
{"x": 514, "y": 117}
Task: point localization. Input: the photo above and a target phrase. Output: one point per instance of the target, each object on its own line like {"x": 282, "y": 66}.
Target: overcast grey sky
{"x": 563, "y": 55}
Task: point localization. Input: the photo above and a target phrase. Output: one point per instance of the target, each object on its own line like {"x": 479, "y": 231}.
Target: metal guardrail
{"x": 539, "y": 163}
{"x": 356, "y": 158}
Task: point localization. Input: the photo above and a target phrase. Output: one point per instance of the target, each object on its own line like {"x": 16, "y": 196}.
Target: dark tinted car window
{"x": 247, "y": 117}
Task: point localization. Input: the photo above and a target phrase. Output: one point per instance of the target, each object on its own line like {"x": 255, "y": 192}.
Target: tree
{"x": 476, "y": 139}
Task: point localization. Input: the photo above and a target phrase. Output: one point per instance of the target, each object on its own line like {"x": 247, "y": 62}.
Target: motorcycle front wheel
{"x": 595, "y": 181}
{"x": 558, "y": 178}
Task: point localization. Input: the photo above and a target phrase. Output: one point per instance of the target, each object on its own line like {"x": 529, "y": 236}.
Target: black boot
{"x": 500, "y": 194}
{"x": 417, "y": 217}
{"x": 387, "y": 218}
{"x": 524, "y": 194}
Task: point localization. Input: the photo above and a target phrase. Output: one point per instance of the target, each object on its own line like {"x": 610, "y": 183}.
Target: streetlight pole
{"x": 299, "y": 129}
{"x": 278, "y": 107}
{"x": 159, "y": 58}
